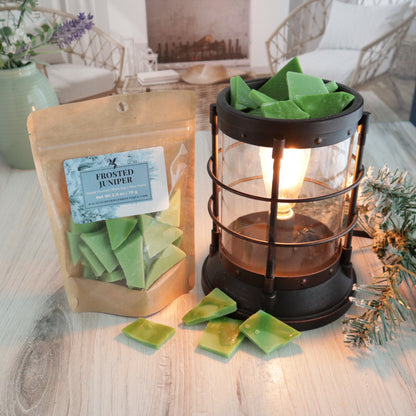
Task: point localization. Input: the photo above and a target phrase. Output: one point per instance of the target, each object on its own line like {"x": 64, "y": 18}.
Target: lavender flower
{"x": 72, "y": 30}
{"x": 17, "y": 47}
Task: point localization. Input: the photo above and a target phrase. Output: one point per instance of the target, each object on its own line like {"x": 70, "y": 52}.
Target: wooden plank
{"x": 392, "y": 144}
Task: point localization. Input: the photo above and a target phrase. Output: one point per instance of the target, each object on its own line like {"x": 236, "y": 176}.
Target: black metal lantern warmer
{"x": 283, "y": 210}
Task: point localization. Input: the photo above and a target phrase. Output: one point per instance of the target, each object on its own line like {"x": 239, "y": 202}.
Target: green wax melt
{"x": 267, "y": 332}
{"x": 289, "y": 94}
{"x": 259, "y": 98}
{"x": 325, "y": 104}
{"x": 172, "y": 215}
{"x": 157, "y": 235}
{"x": 178, "y": 241}
{"x": 114, "y": 276}
{"x": 85, "y": 228}
{"x": 130, "y": 256}
{"x": 99, "y": 243}
{"x": 213, "y": 305}
{"x": 92, "y": 260}
{"x": 119, "y": 229}
{"x": 331, "y": 86}
{"x": 276, "y": 87}
{"x": 256, "y": 112}
{"x": 87, "y": 272}
{"x": 149, "y": 333}
{"x": 167, "y": 259}
{"x": 283, "y": 110}
{"x": 74, "y": 251}
{"x": 240, "y": 94}
{"x": 138, "y": 249}
{"x": 303, "y": 84}
{"x": 222, "y": 336}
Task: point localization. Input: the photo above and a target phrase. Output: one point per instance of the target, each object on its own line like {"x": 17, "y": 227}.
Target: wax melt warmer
{"x": 283, "y": 210}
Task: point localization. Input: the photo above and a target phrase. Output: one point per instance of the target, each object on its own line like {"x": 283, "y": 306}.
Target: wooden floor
{"x": 390, "y": 120}
{"x": 382, "y": 89}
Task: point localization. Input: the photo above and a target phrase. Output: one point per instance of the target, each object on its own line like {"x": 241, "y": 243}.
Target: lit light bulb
{"x": 292, "y": 173}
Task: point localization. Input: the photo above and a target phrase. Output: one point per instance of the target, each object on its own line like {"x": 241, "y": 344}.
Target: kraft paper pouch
{"x": 117, "y": 176}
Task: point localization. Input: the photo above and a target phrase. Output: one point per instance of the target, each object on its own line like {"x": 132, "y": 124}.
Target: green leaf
{"x": 6, "y": 31}
{"x": 46, "y": 27}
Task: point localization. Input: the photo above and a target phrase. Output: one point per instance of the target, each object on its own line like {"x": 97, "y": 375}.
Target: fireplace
{"x": 183, "y": 32}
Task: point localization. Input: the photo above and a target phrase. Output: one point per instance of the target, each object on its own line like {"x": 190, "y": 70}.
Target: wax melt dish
{"x": 267, "y": 332}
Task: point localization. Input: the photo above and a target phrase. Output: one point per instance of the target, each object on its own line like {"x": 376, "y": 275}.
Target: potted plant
{"x": 23, "y": 87}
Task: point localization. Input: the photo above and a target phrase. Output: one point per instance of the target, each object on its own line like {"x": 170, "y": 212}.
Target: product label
{"x": 117, "y": 184}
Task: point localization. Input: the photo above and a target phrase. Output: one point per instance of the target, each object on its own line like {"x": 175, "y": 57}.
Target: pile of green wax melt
{"x": 138, "y": 249}
{"x": 289, "y": 94}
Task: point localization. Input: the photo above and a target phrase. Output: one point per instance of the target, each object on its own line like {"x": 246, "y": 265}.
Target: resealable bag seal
{"x": 112, "y": 130}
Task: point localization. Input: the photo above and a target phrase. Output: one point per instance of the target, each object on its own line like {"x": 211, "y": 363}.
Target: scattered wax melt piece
{"x": 96, "y": 266}
{"x": 130, "y": 256}
{"x": 325, "y": 104}
{"x": 73, "y": 243}
{"x": 331, "y": 86}
{"x": 240, "y": 94}
{"x": 276, "y": 87}
{"x": 303, "y": 84}
{"x": 213, "y": 305}
{"x": 157, "y": 236}
{"x": 283, "y": 110}
{"x": 259, "y": 98}
{"x": 267, "y": 332}
{"x": 172, "y": 215}
{"x": 149, "y": 333}
{"x": 167, "y": 259}
{"x": 222, "y": 336}
{"x": 119, "y": 229}
{"x": 99, "y": 243}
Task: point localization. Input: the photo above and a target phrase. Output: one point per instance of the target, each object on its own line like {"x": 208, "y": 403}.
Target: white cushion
{"x": 352, "y": 26}
{"x": 50, "y": 54}
{"x": 76, "y": 82}
{"x": 330, "y": 64}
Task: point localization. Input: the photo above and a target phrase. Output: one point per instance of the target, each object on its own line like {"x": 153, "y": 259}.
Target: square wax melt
{"x": 267, "y": 332}
{"x": 149, "y": 333}
{"x": 213, "y": 305}
{"x": 222, "y": 336}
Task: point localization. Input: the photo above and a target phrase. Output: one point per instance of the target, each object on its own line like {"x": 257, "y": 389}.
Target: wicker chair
{"x": 91, "y": 67}
{"x": 301, "y": 32}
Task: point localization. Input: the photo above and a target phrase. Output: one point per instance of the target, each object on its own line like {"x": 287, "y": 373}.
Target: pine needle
{"x": 387, "y": 208}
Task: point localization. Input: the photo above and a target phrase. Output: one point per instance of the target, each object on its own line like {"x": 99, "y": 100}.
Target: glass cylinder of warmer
{"x": 310, "y": 180}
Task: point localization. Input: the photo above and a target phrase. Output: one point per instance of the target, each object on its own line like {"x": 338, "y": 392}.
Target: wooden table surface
{"x": 57, "y": 362}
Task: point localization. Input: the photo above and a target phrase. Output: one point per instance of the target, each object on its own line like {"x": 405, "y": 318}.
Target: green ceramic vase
{"x": 22, "y": 90}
